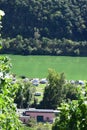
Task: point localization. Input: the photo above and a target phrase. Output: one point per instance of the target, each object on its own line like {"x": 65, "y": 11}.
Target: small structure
{"x": 40, "y": 115}
{"x": 37, "y": 94}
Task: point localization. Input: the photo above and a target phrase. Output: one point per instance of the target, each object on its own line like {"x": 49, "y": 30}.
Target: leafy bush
{"x": 8, "y": 116}
{"x": 73, "y": 115}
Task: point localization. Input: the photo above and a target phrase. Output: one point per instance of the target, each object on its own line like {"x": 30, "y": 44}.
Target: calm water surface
{"x": 37, "y": 66}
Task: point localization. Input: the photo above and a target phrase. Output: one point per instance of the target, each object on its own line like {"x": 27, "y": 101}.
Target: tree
{"x": 25, "y": 94}
{"x": 53, "y": 91}
{"x": 70, "y": 91}
{"x": 73, "y": 115}
{"x": 8, "y": 116}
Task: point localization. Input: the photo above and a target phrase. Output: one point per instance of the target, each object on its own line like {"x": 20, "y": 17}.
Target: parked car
{"x": 37, "y": 94}
{"x": 43, "y": 81}
{"x": 35, "y": 82}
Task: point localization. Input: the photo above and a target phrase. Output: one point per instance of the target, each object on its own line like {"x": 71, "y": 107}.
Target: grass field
{"x": 38, "y": 126}
{"x": 37, "y": 66}
{"x": 40, "y": 89}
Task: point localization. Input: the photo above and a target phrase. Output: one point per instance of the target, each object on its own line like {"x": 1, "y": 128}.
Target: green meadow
{"x": 37, "y": 66}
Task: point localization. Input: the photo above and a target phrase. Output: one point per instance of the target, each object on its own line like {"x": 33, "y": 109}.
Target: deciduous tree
{"x": 8, "y": 116}
{"x": 53, "y": 91}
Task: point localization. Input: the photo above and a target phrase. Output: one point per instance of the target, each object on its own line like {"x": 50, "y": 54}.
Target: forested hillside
{"x": 48, "y": 27}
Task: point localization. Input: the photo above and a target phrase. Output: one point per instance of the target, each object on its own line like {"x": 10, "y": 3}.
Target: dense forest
{"x": 44, "y": 27}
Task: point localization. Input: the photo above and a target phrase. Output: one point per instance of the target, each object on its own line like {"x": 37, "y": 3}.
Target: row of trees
{"x": 43, "y": 46}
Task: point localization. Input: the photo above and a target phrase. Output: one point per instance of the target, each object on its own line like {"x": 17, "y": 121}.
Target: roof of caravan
{"x": 39, "y": 110}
